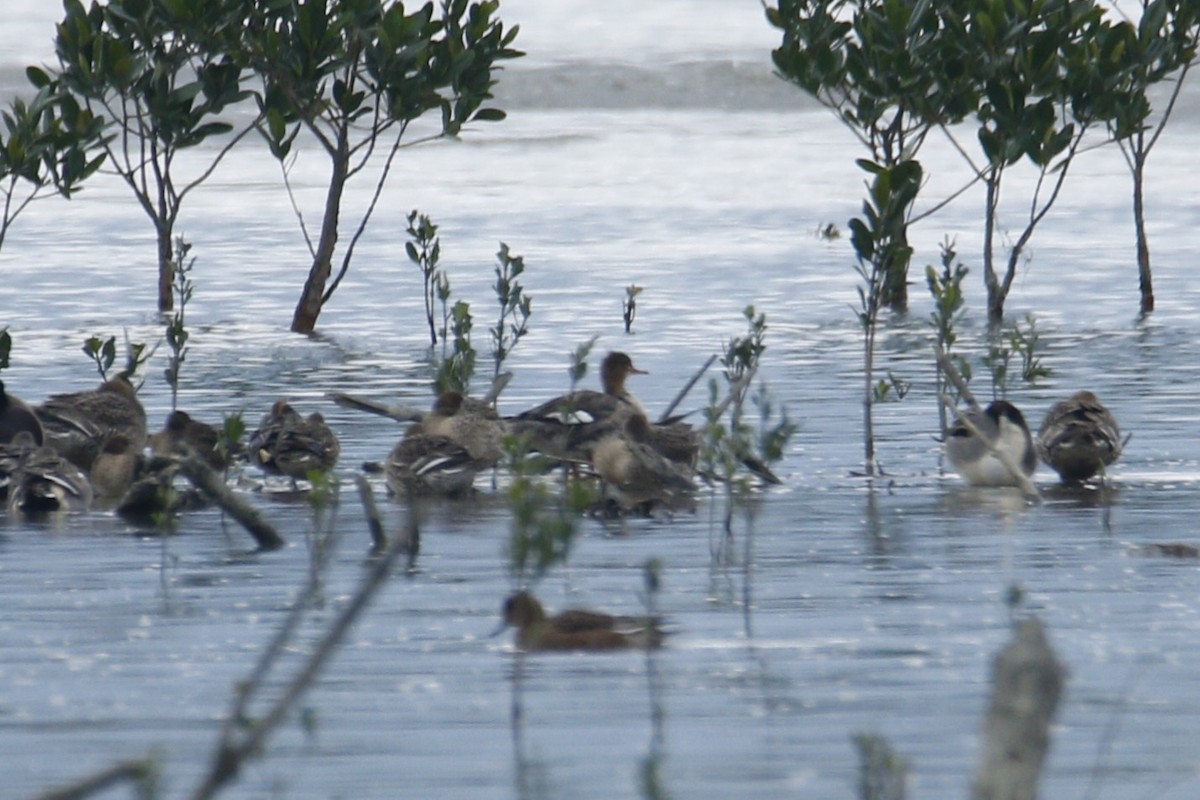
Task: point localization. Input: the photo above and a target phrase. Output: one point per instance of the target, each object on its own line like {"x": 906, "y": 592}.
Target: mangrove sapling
{"x": 948, "y": 311}
{"x": 143, "y": 67}
{"x": 177, "y": 332}
{"x": 244, "y": 734}
{"x": 733, "y": 449}
{"x": 323, "y": 500}
{"x": 1162, "y": 48}
{"x": 1040, "y": 87}
{"x": 544, "y": 520}
{"x": 888, "y": 72}
{"x": 46, "y": 143}
{"x": 455, "y": 373}
{"x": 1022, "y": 343}
{"x": 354, "y": 77}
{"x": 103, "y": 353}
{"x": 515, "y": 307}
{"x": 424, "y": 249}
{"x": 880, "y": 242}
{"x": 629, "y": 306}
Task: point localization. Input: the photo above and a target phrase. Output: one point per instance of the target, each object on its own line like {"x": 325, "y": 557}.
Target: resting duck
{"x": 576, "y": 629}
{"x": 1079, "y": 437}
{"x": 627, "y": 462}
{"x": 44, "y": 481}
{"x": 1003, "y": 426}
{"x": 17, "y": 416}
{"x": 115, "y": 469}
{"x": 288, "y": 444}
{"x": 459, "y": 438}
{"x": 569, "y": 427}
{"x": 77, "y": 425}
{"x": 184, "y": 436}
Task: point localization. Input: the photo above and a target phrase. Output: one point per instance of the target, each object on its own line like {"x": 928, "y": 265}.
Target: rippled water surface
{"x": 693, "y": 174}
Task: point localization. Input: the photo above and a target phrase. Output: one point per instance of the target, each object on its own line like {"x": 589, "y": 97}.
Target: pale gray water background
{"x": 647, "y": 144}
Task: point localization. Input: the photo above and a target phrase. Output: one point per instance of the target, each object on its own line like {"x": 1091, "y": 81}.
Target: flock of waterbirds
{"x": 89, "y": 448}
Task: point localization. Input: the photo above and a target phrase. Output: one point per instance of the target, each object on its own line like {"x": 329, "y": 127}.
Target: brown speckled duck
{"x": 577, "y": 629}
{"x": 45, "y": 482}
{"x": 288, "y": 444}
{"x": 1079, "y": 437}
{"x": 184, "y": 436}
{"x": 77, "y": 425}
{"x": 570, "y": 426}
{"x": 459, "y": 438}
{"x": 628, "y": 464}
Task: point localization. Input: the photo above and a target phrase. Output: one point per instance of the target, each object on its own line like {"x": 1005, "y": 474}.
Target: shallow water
{"x": 871, "y": 612}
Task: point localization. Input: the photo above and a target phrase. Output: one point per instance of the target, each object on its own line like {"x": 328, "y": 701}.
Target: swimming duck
{"x": 44, "y": 481}
{"x": 182, "y": 435}
{"x": 288, "y": 444}
{"x": 1079, "y": 437}
{"x": 576, "y": 629}
{"x": 1003, "y": 425}
{"x": 625, "y": 460}
{"x": 17, "y": 416}
{"x": 77, "y": 425}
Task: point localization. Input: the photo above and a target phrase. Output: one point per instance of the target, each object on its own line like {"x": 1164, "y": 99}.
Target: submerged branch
{"x": 140, "y": 772}
{"x": 229, "y": 754}
{"x": 687, "y": 387}
{"x": 213, "y": 487}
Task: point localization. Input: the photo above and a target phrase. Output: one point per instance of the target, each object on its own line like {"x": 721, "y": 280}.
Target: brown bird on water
{"x": 576, "y": 629}
{"x": 288, "y": 444}
{"x": 184, "y": 436}
{"x": 443, "y": 453}
{"x": 569, "y": 427}
{"x": 44, "y": 481}
{"x": 1079, "y": 437}
{"x": 77, "y": 425}
{"x": 627, "y": 462}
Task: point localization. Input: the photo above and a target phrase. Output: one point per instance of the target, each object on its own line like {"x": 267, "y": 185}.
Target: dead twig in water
{"x": 687, "y": 387}
{"x": 212, "y": 486}
{"x": 240, "y": 741}
{"x": 141, "y": 772}
{"x": 374, "y": 524}
{"x": 951, "y": 373}
{"x": 401, "y": 412}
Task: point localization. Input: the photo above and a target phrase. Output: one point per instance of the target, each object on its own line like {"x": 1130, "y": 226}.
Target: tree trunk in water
{"x": 895, "y": 279}
{"x": 1145, "y": 282}
{"x": 995, "y": 299}
{"x": 166, "y": 269}
{"x": 312, "y": 298}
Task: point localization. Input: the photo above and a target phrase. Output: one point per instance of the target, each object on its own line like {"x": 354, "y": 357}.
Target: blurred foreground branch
{"x": 1027, "y": 682}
